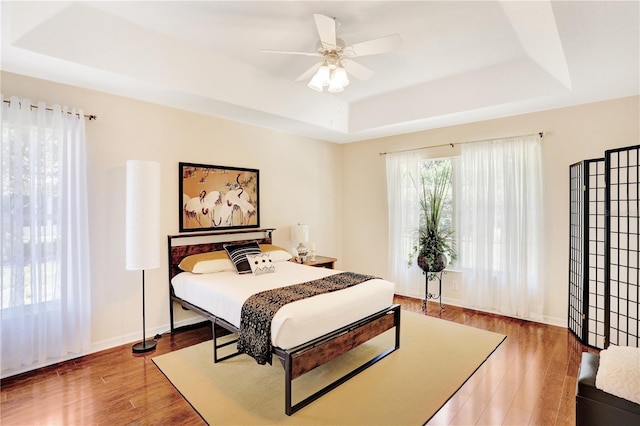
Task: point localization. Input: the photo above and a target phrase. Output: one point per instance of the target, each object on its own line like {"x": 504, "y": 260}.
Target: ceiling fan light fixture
{"x": 324, "y": 75}
{"x": 340, "y": 77}
{"x": 335, "y": 88}
{"x": 321, "y": 78}
{"x": 331, "y": 75}
{"x": 339, "y": 80}
{"x": 316, "y": 83}
{"x": 333, "y": 51}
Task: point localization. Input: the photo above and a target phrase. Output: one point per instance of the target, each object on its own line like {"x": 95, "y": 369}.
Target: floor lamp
{"x": 143, "y": 227}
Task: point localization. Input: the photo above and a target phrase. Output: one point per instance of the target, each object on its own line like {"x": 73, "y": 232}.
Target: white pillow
{"x": 261, "y": 263}
{"x": 278, "y": 254}
{"x": 204, "y": 263}
{"x": 210, "y": 266}
{"x": 619, "y": 372}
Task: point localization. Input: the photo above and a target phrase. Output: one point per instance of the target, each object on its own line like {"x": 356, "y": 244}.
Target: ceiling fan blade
{"x": 357, "y": 70}
{"x": 287, "y": 52}
{"x": 373, "y": 47}
{"x": 308, "y": 73}
{"x": 326, "y": 30}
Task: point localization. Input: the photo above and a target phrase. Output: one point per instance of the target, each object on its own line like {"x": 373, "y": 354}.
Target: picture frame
{"x": 218, "y": 197}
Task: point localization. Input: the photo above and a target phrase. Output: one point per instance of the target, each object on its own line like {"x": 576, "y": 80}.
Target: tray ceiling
{"x": 459, "y": 62}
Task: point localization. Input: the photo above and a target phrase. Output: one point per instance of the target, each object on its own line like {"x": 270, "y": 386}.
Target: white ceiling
{"x": 459, "y": 62}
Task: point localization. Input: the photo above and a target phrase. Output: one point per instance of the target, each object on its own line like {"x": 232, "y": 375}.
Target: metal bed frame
{"x": 298, "y": 360}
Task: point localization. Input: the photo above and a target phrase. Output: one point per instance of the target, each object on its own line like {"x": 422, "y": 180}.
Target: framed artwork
{"x": 218, "y": 197}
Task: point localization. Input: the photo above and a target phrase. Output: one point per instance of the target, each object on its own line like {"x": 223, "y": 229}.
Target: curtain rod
{"x": 540, "y": 134}
{"x": 90, "y": 116}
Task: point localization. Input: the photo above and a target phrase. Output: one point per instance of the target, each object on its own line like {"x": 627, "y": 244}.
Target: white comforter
{"x": 223, "y": 294}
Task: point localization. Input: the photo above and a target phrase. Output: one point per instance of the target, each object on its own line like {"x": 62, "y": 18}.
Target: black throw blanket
{"x": 258, "y": 311}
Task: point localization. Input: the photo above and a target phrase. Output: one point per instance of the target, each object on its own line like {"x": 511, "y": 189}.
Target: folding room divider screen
{"x": 622, "y": 205}
{"x": 587, "y": 253}
{"x": 604, "y": 253}
{"x": 576, "y": 249}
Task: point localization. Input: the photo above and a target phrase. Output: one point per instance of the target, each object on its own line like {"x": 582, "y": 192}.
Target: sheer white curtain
{"x": 500, "y": 226}
{"x": 45, "y": 299}
{"x": 404, "y": 217}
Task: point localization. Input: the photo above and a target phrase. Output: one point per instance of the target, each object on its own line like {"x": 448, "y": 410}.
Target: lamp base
{"x": 143, "y": 347}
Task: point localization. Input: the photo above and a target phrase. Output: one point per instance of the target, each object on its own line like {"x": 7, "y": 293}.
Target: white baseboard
{"x": 131, "y": 338}
{"x": 558, "y": 322}
{"x": 137, "y": 337}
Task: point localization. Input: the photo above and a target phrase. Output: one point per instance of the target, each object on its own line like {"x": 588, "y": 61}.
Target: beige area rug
{"x": 407, "y": 387}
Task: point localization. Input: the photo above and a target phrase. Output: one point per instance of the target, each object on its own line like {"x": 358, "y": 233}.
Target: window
{"x": 501, "y": 227}
{"x": 495, "y": 209}
{"x": 30, "y": 208}
{"x": 404, "y": 170}
{"x": 45, "y": 277}
{"x": 428, "y": 170}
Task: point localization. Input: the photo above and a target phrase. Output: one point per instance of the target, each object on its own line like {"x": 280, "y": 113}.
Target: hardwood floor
{"x": 529, "y": 379}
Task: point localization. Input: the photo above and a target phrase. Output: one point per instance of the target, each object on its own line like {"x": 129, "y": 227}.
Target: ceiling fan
{"x": 336, "y": 59}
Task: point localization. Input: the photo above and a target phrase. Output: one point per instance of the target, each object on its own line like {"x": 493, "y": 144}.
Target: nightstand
{"x": 320, "y": 262}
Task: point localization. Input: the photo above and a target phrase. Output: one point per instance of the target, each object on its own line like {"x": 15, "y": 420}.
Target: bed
{"x": 304, "y": 334}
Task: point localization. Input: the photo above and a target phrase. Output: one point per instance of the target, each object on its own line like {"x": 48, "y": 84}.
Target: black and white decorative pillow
{"x": 238, "y": 255}
{"x": 261, "y": 263}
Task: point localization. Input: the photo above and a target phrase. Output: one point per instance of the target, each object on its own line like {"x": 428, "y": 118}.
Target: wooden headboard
{"x": 183, "y": 245}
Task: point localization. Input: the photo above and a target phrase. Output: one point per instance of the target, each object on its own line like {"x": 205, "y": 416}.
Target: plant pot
{"x": 438, "y": 265}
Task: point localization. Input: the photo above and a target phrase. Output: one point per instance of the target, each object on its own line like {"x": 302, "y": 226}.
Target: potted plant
{"x": 434, "y": 244}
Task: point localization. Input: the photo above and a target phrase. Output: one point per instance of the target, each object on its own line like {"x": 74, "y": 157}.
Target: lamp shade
{"x": 321, "y": 78}
{"x": 340, "y": 77}
{"x": 324, "y": 75}
{"x": 300, "y": 233}
{"x": 143, "y": 215}
{"x": 316, "y": 84}
{"x": 334, "y": 87}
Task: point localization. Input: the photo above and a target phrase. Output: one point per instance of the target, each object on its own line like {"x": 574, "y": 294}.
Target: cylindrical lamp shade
{"x": 143, "y": 215}
{"x": 300, "y": 233}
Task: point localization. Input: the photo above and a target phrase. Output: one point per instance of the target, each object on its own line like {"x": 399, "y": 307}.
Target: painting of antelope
{"x": 218, "y": 197}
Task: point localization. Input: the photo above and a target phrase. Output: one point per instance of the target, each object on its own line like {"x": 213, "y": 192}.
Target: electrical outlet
{"x": 454, "y": 284}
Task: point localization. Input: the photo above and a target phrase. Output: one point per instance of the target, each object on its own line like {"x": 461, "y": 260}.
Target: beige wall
{"x": 339, "y": 190}
{"x": 300, "y": 181}
{"x": 571, "y": 134}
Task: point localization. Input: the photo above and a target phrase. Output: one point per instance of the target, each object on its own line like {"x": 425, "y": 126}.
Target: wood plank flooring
{"x": 529, "y": 379}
